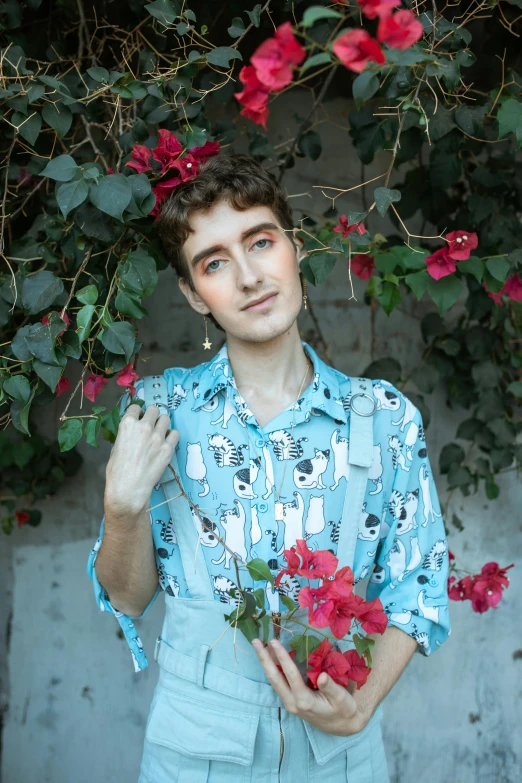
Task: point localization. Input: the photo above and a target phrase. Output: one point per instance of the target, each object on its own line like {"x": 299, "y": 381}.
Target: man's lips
{"x": 260, "y": 305}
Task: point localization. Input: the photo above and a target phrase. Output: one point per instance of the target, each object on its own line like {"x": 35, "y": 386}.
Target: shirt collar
{"x": 216, "y": 374}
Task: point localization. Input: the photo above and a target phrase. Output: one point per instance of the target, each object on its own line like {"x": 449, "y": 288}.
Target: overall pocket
{"x": 192, "y": 742}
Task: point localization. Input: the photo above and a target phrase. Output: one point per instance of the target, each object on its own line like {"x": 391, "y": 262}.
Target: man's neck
{"x": 269, "y": 372}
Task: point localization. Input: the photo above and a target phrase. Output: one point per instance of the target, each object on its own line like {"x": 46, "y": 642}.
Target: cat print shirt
{"x": 229, "y": 466}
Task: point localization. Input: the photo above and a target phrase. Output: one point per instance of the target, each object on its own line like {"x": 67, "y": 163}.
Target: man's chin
{"x": 261, "y": 332}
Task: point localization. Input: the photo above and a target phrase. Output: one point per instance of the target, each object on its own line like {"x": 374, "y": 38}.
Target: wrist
{"x": 364, "y": 710}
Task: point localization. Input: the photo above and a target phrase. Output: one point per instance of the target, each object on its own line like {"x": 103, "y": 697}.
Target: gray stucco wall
{"x": 74, "y": 710}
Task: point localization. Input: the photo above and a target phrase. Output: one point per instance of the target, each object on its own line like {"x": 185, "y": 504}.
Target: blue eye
{"x": 218, "y": 260}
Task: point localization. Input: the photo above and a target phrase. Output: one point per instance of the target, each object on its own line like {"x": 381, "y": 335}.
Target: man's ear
{"x": 300, "y": 243}
{"x": 192, "y": 297}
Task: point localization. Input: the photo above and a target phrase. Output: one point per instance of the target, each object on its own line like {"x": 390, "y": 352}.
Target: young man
{"x": 264, "y": 440}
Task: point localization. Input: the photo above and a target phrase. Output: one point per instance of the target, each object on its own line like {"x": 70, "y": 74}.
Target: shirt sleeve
{"x": 102, "y": 599}
{"x": 412, "y": 563}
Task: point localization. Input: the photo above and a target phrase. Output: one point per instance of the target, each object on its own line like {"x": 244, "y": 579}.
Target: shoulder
{"x": 392, "y": 403}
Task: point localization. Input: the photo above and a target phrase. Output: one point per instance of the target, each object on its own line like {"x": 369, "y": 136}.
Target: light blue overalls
{"x": 214, "y": 716}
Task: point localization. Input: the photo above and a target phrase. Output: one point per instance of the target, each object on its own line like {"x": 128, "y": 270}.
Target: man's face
{"x": 246, "y": 269}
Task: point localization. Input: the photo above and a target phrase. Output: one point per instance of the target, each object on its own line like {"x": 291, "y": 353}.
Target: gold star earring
{"x": 207, "y": 343}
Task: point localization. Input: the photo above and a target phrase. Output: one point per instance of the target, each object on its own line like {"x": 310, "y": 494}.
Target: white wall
{"x": 74, "y": 710}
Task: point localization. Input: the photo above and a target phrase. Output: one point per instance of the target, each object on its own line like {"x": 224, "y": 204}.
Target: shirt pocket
{"x": 186, "y": 737}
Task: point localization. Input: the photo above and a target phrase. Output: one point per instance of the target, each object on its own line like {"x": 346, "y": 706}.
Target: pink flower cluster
{"x": 484, "y": 590}
{"x": 168, "y": 153}
{"x": 512, "y": 288}
{"x": 362, "y": 264}
{"x": 271, "y": 69}
{"x": 442, "y": 261}
{"x": 400, "y": 30}
{"x": 95, "y": 383}
{"x": 333, "y": 604}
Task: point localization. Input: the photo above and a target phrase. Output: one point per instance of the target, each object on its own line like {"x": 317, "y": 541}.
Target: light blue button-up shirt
{"x": 235, "y": 471}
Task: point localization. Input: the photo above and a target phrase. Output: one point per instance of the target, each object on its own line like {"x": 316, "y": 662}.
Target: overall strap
{"x": 184, "y": 522}
{"x": 360, "y": 456}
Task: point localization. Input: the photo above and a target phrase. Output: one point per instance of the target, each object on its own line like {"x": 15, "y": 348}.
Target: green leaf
{"x": 304, "y": 645}
{"x": 444, "y": 292}
{"x": 71, "y": 195}
{"x": 18, "y": 387}
{"x": 49, "y": 373}
{"x": 139, "y": 273}
{"x": 498, "y": 267}
{"x": 119, "y": 338}
{"x": 58, "y": 116}
{"x": 163, "y": 10}
{"x": 317, "y": 59}
{"x": 259, "y": 595}
{"x": 222, "y": 55}
{"x": 514, "y": 388}
{"x": 310, "y": 144}
{"x": 316, "y": 12}
{"x": 418, "y": 282}
{"x": 92, "y": 430}
{"x": 70, "y": 433}
{"x": 255, "y": 15}
{"x": 20, "y": 413}
{"x": 322, "y": 265}
{"x": 450, "y": 454}
{"x": 62, "y": 169}
{"x": 129, "y": 304}
{"x": 83, "y": 320}
{"x": 98, "y": 74}
{"x": 259, "y": 571}
{"x": 390, "y": 297}
{"x": 472, "y": 266}
{"x": 509, "y": 118}
{"x": 388, "y": 369}
{"x": 40, "y": 290}
{"x": 111, "y": 195}
{"x": 28, "y": 129}
{"x": 364, "y": 87}
{"x": 237, "y": 27}
{"x": 384, "y": 197}
{"x": 88, "y": 294}
{"x": 288, "y": 602}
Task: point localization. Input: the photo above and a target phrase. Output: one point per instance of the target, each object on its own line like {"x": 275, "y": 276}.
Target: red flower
{"x": 372, "y": 616}
{"x": 355, "y": 48}
{"x": 314, "y": 565}
{"x": 326, "y": 659}
{"x": 140, "y": 159}
{"x": 21, "y": 518}
{"x": 451, "y": 555}
{"x": 64, "y": 317}
{"x": 362, "y": 265}
{"x": 401, "y": 30}
{"x": 187, "y": 166}
{"x": 62, "y": 386}
{"x": 168, "y": 149}
{"x": 345, "y": 608}
{"x": 382, "y": 8}
{"x": 93, "y": 386}
{"x": 162, "y": 191}
{"x": 513, "y": 288}
{"x": 208, "y": 150}
{"x": 275, "y": 59}
{"x": 461, "y": 243}
{"x": 358, "y": 671}
{"x": 439, "y": 264}
{"x": 484, "y": 590}
{"x": 496, "y": 297}
{"x": 126, "y": 376}
{"x": 254, "y": 97}
{"x": 310, "y": 596}
{"x": 348, "y": 228}
{"x": 293, "y": 562}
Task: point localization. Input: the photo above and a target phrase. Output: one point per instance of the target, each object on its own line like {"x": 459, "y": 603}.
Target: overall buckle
{"x": 158, "y": 642}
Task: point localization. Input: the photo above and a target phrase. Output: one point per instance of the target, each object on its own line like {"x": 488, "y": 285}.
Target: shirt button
{"x": 263, "y": 507}
{"x": 260, "y": 442}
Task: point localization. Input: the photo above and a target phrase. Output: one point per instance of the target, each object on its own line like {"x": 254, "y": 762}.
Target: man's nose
{"x": 250, "y": 273}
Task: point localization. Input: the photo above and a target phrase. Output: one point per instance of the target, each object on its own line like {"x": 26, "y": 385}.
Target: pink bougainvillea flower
{"x": 293, "y": 562}
{"x": 401, "y": 30}
{"x": 343, "y": 611}
{"x": 93, "y": 386}
{"x": 362, "y": 265}
{"x": 188, "y": 166}
{"x": 254, "y": 97}
{"x": 372, "y": 616}
{"x": 126, "y": 376}
{"x": 461, "y": 243}
{"x": 347, "y": 228}
{"x": 513, "y": 288}
{"x": 162, "y": 191}
{"x": 496, "y": 297}
{"x": 484, "y": 590}
{"x": 320, "y": 565}
{"x": 326, "y": 659}
{"x": 22, "y": 518}
{"x": 440, "y": 264}
{"x": 359, "y": 670}
{"x": 319, "y": 605}
{"x": 64, "y": 317}
{"x": 451, "y": 555}
{"x": 355, "y": 48}
{"x": 62, "y": 386}
{"x": 382, "y": 8}
{"x": 274, "y": 60}
{"x": 208, "y": 150}
{"x": 167, "y": 150}
{"x": 140, "y": 159}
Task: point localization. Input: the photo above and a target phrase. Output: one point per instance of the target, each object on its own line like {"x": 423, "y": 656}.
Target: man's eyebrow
{"x": 216, "y": 248}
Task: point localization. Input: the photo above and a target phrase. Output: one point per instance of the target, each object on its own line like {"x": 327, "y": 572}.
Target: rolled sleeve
{"x": 411, "y": 576}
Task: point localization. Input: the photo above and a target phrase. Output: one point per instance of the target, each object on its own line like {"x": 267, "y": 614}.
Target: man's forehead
{"x": 222, "y": 224}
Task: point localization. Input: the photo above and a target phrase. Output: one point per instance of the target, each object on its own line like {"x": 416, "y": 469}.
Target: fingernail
{"x": 256, "y": 643}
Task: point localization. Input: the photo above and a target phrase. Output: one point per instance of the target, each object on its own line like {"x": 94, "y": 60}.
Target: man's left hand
{"x": 331, "y": 708}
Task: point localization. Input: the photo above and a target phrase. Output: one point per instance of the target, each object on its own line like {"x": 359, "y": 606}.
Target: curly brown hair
{"x": 238, "y": 179}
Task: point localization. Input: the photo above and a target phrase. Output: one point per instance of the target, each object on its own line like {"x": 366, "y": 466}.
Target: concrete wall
{"x": 74, "y": 710}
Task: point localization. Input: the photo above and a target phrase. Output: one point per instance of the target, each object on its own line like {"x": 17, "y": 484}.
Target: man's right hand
{"x": 141, "y": 452}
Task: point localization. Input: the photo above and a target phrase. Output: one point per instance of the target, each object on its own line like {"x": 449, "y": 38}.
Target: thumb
{"x": 326, "y": 684}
